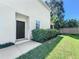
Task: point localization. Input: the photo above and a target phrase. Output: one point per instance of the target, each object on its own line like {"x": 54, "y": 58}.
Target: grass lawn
{"x": 42, "y": 51}
{"x": 59, "y": 48}
{"x": 68, "y": 48}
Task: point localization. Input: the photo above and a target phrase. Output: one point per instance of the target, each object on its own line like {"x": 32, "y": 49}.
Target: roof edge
{"x": 45, "y": 5}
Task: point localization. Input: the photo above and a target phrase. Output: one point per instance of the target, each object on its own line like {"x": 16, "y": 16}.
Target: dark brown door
{"x": 20, "y": 29}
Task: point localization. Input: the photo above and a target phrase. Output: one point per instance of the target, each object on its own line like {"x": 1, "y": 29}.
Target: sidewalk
{"x": 14, "y": 51}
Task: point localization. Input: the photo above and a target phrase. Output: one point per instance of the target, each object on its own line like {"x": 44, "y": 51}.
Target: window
{"x": 37, "y": 24}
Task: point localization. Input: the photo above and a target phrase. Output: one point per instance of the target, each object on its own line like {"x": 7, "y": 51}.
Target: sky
{"x": 71, "y": 9}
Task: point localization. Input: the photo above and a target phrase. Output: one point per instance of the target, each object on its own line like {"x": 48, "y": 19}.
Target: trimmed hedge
{"x": 42, "y": 35}
{"x": 6, "y": 45}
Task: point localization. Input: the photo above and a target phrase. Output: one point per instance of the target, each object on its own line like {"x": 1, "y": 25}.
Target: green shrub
{"x": 6, "y": 45}
{"x": 42, "y": 35}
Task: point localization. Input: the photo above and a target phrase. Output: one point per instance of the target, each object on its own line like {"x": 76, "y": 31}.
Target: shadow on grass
{"x": 75, "y": 36}
{"x": 42, "y": 51}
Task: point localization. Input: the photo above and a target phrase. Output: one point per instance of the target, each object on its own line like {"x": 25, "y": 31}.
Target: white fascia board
{"x": 45, "y": 5}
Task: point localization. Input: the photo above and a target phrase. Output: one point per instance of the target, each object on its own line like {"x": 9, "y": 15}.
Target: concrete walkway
{"x": 14, "y": 51}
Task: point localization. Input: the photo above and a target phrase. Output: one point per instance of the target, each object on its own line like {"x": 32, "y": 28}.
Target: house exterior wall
{"x": 7, "y": 24}
{"x": 32, "y": 8}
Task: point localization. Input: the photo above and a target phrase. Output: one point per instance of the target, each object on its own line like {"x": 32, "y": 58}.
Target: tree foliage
{"x": 57, "y": 8}
{"x": 57, "y": 12}
{"x": 54, "y": 19}
{"x": 59, "y": 24}
{"x": 72, "y": 23}
{"x": 67, "y": 23}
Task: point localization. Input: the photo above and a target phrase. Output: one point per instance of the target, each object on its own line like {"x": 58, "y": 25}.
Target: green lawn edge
{"x": 42, "y": 51}
{"x": 67, "y": 48}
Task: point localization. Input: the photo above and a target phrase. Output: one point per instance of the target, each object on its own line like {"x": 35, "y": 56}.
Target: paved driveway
{"x": 14, "y": 51}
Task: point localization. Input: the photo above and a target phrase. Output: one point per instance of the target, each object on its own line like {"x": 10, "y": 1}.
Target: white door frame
{"x": 24, "y": 18}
